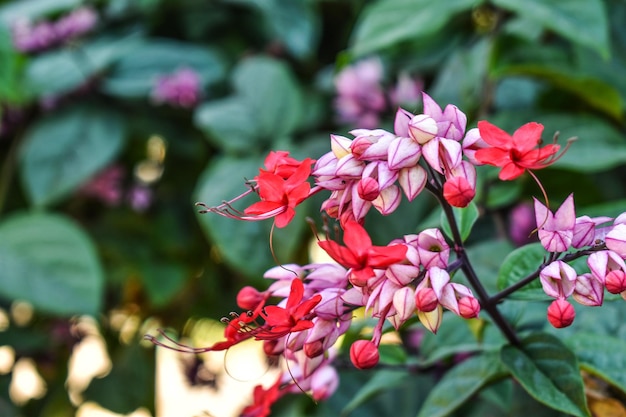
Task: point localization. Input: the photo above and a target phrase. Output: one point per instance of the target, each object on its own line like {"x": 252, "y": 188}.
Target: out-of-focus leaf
{"x": 11, "y": 89}
{"x": 517, "y": 265}
{"x": 461, "y": 382}
{"x": 33, "y": 9}
{"x": 243, "y": 244}
{"x": 581, "y": 21}
{"x": 162, "y": 281}
{"x": 602, "y": 356}
{"x": 267, "y": 107}
{"x": 454, "y": 336}
{"x": 132, "y": 368}
{"x": 549, "y": 372}
{"x": 465, "y": 219}
{"x": 381, "y": 381}
{"x": 385, "y": 23}
{"x": 487, "y": 258}
{"x": 62, "y": 70}
{"x": 136, "y": 72}
{"x": 62, "y": 150}
{"x": 293, "y": 22}
{"x": 50, "y": 262}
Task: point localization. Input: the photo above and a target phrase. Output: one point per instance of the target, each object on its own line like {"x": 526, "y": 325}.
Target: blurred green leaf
{"x": 62, "y": 150}
{"x": 11, "y": 88}
{"x": 581, "y": 21}
{"x": 601, "y": 356}
{"x": 465, "y": 218}
{"x": 60, "y": 71}
{"x": 33, "y": 9}
{"x": 548, "y": 371}
{"x": 517, "y": 265}
{"x": 244, "y": 245}
{"x": 461, "y": 383}
{"x": 385, "y": 23}
{"x": 162, "y": 281}
{"x": 487, "y": 257}
{"x": 136, "y": 72}
{"x": 454, "y": 336}
{"x": 50, "y": 262}
{"x": 267, "y": 106}
{"x": 381, "y": 381}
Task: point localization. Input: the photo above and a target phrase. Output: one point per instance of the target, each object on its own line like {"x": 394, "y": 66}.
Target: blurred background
{"x": 118, "y": 115}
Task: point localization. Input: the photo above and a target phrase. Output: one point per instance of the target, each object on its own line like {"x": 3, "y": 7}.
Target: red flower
{"x": 282, "y": 321}
{"x": 360, "y": 255}
{"x": 263, "y": 400}
{"x": 280, "y": 196}
{"x": 281, "y": 164}
{"x": 515, "y": 154}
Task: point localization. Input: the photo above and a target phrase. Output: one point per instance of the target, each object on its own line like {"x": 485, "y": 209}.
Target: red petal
{"x": 296, "y": 293}
{"x": 340, "y": 253}
{"x": 494, "y": 136}
{"x": 270, "y": 187}
{"x": 493, "y": 156}
{"x": 262, "y": 207}
{"x": 284, "y": 218}
{"x": 383, "y": 256}
{"x": 527, "y": 136}
{"x": 356, "y": 238}
{"x": 510, "y": 172}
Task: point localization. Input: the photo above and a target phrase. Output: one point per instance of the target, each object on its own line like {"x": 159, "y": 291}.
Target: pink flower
{"x": 556, "y": 231}
{"x": 561, "y": 313}
{"x": 558, "y": 279}
{"x": 181, "y": 88}
{"x": 364, "y": 354}
{"x": 588, "y": 291}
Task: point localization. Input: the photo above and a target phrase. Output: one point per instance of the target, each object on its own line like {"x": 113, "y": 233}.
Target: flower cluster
{"x": 562, "y": 231}
{"x": 182, "y": 88}
{"x": 411, "y": 276}
{"x": 32, "y": 37}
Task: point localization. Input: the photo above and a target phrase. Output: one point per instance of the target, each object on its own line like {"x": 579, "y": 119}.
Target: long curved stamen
{"x": 175, "y": 345}
{"x": 545, "y": 197}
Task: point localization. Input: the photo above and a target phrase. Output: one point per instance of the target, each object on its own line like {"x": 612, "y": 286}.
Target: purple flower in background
{"x": 407, "y": 92}
{"x": 180, "y": 88}
{"x": 106, "y": 186}
{"x": 33, "y": 37}
{"x": 360, "y": 96}
{"x": 139, "y": 197}
{"x": 521, "y": 224}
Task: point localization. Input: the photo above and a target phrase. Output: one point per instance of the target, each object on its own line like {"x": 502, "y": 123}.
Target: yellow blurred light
{"x": 156, "y": 149}
{"x": 4, "y": 320}
{"x": 7, "y": 359}
{"x": 26, "y": 383}
{"x": 148, "y": 171}
{"x": 22, "y": 312}
{"x": 89, "y": 360}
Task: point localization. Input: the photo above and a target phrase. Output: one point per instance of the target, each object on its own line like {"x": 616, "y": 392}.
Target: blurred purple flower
{"x": 407, "y": 92}
{"x": 106, "y": 186}
{"x": 180, "y": 88}
{"x": 360, "y": 97}
{"x": 521, "y": 224}
{"x": 139, "y": 197}
{"x": 33, "y": 37}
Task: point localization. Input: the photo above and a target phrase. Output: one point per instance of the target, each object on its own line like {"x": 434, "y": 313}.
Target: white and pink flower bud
{"x": 584, "y": 231}
{"x": 603, "y": 262}
{"x": 431, "y": 319}
{"x": 324, "y": 383}
{"x": 401, "y": 123}
{"x": 404, "y": 303}
{"x": 426, "y": 300}
{"x": 249, "y": 298}
{"x": 558, "y": 279}
{"x": 471, "y": 143}
{"x": 433, "y": 249}
{"x": 460, "y": 186}
{"x": 403, "y": 153}
{"x": 616, "y": 240}
{"x": 422, "y": 128}
{"x": 556, "y": 231}
{"x": 349, "y": 167}
{"x": 561, "y": 313}
{"x": 340, "y": 146}
{"x": 469, "y": 307}
{"x": 588, "y": 291}
{"x": 442, "y": 153}
{"x": 331, "y": 307}
{"x": 412, "y": 181}
{"x": 364, "y": 354}
{"x": 388, "y": 200}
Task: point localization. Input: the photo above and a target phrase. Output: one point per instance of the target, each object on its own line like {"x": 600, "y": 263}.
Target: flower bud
{"x": 469, "y": 307}
{"x": 426, "y": 300}
{"x": 616, "y": 240}
{"x": 431, "y": 319}
{"x": 412, "y": 180}
{"x": 404, "y": 303}
{"x": 458, "y": 192}
{"x": 368, "y": 189}
{"x": 561, "y": 313}
{"x": 422, "y": 128}
{"x": 615, "y": 281}
{"x": 340, "y": 146}
{"x": 313, "y": 349}
{"x": 364, "y": 354}
{"x": 248, "y": 298}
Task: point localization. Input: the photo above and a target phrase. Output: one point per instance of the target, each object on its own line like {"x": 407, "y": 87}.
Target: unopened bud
{"x": 615, "y": 282}
{"x": 561, "y": 313}
{"x": 364, "y": 354}
{"x": 368, "y": 189}
{"x": 313, "y": 349}
{"x": 426, "y": 300}
{"x": 249, "y": 298}
{"x": 469, "y": 307}
{"x": 422, "y": 128}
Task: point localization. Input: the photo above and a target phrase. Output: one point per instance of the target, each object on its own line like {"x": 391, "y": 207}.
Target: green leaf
{"x": 268, "y": 105}
{"x": 602, "y": 356}
{"x": 465, "y": 219}
{"x": 162, "y": 281}
{"x": 549, "y": 372}
{"x": 33, "y": 9}
{"x": 381, "y": 381}
{"x": 62, "y": 70}
{"x": 50, "y": 262}
{"x": 62, "y": 150}
{"x": 454, "y": 336}
{"x": 385, "y": 23}
{"x": 11, "y": 88}
{"x": 487, "y": 258}
{"x": 519, "y": 264}
{"x": 136, "y": 72}
{"x": 581, "y": 21}
{"x": 461, "y": 383}
{"x": 244, "y": 245}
